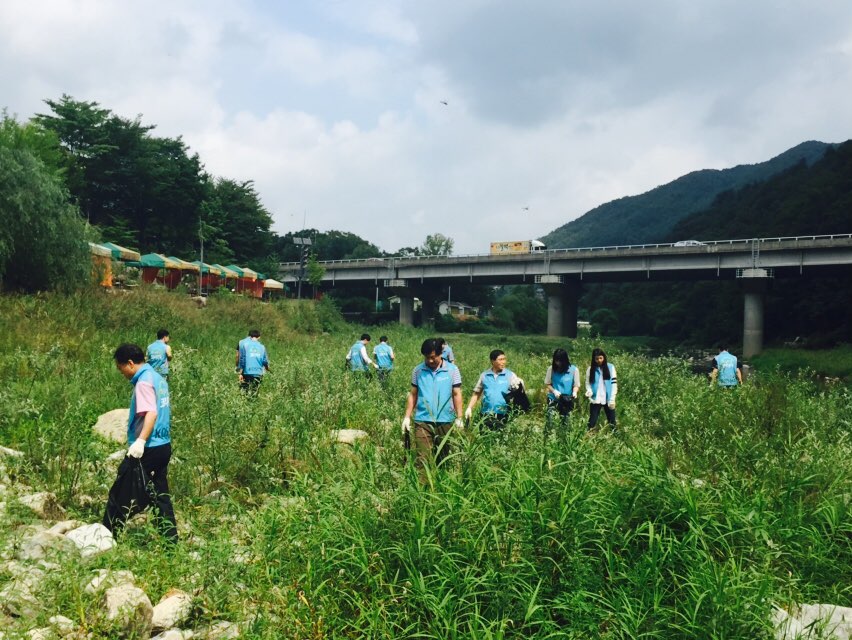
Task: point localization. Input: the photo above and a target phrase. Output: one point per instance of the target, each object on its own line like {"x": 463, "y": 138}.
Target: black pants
{"x": 595, "y": 412}
{"x": 251, "y": 384}
{"x": 155, "y": 463}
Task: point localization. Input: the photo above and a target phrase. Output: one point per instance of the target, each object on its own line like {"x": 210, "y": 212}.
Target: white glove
{"x": 468, "y": 413}
{"x": 137, "y": 448}
{"x": 458, "y": 424}
{"x": 588, "y": 393}
{"x": 556, "y": 394}
{"x": 516, "y": 383}
{"x": 574, "y": 395}
{"x": 406, "y": 425}
{"x": 611, "y": 404}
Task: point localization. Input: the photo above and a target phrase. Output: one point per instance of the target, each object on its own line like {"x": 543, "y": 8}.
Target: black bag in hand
{"x": 518, "y": 399}
{"x": 565, "y": 404}
{"x": 132, "y": 492}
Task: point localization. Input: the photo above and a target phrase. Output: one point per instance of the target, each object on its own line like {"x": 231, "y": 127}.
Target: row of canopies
{"x": 170, "y": 270}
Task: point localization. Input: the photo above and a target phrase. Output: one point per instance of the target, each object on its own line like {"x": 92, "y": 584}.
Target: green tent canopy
{"x": 122, "y": 253}
{"x": 186, "y": 266}
{"x": 159, "y": 261}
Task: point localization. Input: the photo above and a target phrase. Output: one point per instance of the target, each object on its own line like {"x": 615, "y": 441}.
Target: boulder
{"x": 128, "y": 608}
{"x": 112, "y": 425}
{"x": 91, "y": 539}
{"x": 218, "y": 631}
{"x": 17, "y": 598}
{"x": 106, "y": 578}
{"x": 812, "y": 621}
{"x": 44, "y": 504}
{"x": 6, "y": 452}
{"x": 175, "y": 634}
{"x": 44, "y": 633}
{"x": 172, "y": 610}
{"x": 43, "y": 544}
{"x": 61, "y": 625}
{"x": 349, "y": 436}
{"x": 65, "y": 526}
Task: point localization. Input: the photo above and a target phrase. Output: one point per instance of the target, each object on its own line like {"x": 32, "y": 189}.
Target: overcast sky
{"x": 335, "y": 108}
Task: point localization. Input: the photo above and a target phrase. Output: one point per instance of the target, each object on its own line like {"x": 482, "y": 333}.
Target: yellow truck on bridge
{"x": 516, "y": 246}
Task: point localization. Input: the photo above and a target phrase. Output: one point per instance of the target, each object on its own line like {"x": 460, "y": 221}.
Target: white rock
{"x": 349, "y": 436}
{"x": 175, "y": 634}
{"x": 808, "y": 621}
{"x": 17, "y": 598}
{"x": 65, "y": 526}
{"x": 91, "y": 539}
{"x": 129, "y": 607}
{"x": 6, "y": 452}
{"x": 44, "y": 505}
{"x": 107, "y": 578}
{"x": 172, "y": 610}
{"x": 117, "y": 456}
{"x": 44, "y": 633}
{"x": 62, "y": 625}
{"x": 43, "y": 544}
{"x": 112, "y": 425}
{"x": 218, "y": 631}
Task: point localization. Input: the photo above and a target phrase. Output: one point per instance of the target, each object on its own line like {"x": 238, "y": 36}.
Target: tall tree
{"x": 437, "y": 244}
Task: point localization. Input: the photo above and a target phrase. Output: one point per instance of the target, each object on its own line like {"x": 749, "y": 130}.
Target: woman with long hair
{"x": 562, "y": 380}
{"x": 601, "y": 389}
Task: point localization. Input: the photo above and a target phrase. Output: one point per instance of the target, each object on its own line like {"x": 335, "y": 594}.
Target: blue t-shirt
{"x": 158, "y": 357}
{"x": 383, "y": 353}
{"x": 253, "y": 357}
{"x": 435, "y": 392}
{"x": 162, "y": 427}
{"x": 726, "y": 363}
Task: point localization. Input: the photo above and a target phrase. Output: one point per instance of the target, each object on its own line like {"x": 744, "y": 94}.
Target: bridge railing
{"x": 393, "y": 260}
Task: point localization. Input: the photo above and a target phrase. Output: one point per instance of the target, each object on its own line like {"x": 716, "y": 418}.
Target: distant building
{"x": 393, "y": 301}
{"x": 583, "y": 324}
{"x": 457, "y": 309}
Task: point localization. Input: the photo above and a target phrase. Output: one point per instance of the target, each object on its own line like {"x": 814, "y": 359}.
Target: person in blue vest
{"x": 159, "y": 354}
{"x": 447, "y": 351}
{"x": 562, "y": 381}
{"x": 149, "y": 439}
{"x": 493, "y": 386}
{"x": 253, "y": 362}
{"x": 601, "y": 389}
{"x": 726, "y": 370}
{"x": 435, "y": 402}
{"x": 384, "y": 355}
{"x": 357, "y": 358}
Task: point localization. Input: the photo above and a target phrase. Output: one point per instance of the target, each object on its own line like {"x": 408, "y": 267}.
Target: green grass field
{"x": 707, "y": 510}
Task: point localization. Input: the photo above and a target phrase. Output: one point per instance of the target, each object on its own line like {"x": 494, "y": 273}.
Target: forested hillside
{"x": 651, "y": 216}
{"x": 803, "y": 199}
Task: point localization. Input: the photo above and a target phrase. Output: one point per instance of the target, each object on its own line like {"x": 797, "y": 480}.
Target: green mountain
{"x": 651, "y": 216}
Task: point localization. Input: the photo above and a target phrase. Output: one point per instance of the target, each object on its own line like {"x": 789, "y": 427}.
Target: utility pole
{"x": 201, "y": 259}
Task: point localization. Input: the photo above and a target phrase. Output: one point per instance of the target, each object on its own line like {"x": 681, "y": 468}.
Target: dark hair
{"x": 162, "y": 333}
{"x": 365, "y": 336}
{"x": 560, "y": 362}
{"x": 430, "y": 346}
{"x": 254, "y": 333}
{"x": 441, "y": 341}
{"x": 383, "y": 339}
{"x": 723, "y": 347}
{"x": 129, "y": 352}
{"x": 605, "y": 368}
{"x": 496, "y": 354}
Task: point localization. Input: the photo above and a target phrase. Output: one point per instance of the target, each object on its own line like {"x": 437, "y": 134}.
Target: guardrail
{"x": 392, "y": 260}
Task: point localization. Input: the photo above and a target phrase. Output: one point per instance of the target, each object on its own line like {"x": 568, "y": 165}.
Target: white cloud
{"x": 336, "y": 108}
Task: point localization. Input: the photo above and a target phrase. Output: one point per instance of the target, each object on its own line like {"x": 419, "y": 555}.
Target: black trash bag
{"x": 517, "y": 399}
{"x": 565, "y": 404}
{"x": 131, "y": 493}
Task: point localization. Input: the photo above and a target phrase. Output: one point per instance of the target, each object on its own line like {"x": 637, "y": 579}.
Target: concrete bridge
{"x": 561, "y": 272}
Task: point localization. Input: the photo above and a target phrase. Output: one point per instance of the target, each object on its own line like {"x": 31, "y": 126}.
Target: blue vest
{"x": 383, "y": 352}
{"x": 252, "y": 357}
{"x": 162, "y": 427}
{"x": 356, "y": 362}
{"x": 564, "y": 382}
{"x": 595, "y": 376}
{"x": 494, "y": 385}
{"x": 447, "y": 353}
{"x": 157, "y": 357}
{"x": 727, "y": 364}
{"x": 434, "y": 393}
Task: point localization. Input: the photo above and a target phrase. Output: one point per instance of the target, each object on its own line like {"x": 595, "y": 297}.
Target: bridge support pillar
{"x": 427, "y": 306}
{"x": 755, "y": 282}
{"x": 406, "y": 310}
{"x": 562, "y": 299}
